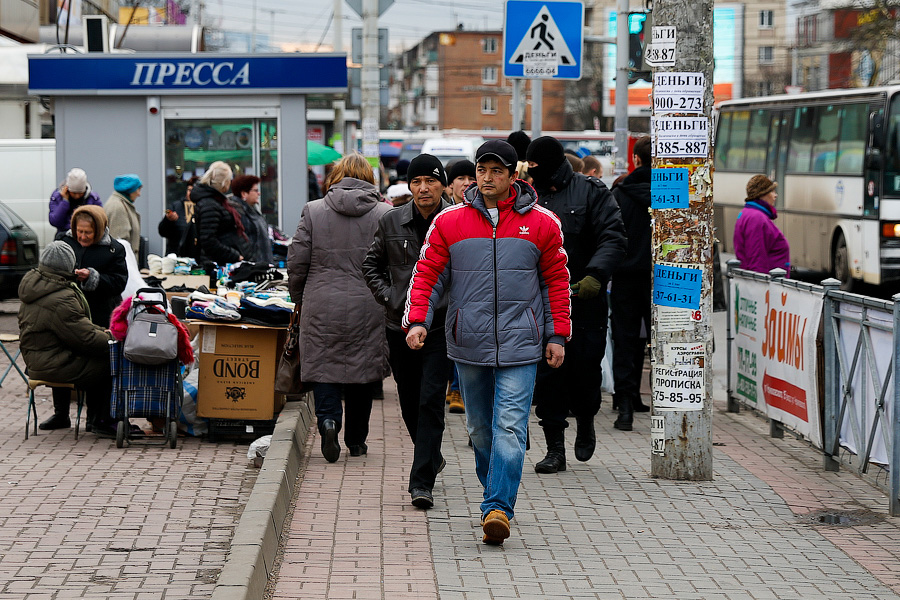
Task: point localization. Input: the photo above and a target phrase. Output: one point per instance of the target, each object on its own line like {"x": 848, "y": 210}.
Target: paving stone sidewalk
{"x": 602, "y": 529}
{"x": 88, "y": 520}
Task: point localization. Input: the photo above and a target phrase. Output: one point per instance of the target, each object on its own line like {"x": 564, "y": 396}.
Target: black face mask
{"x": 541, "y": 175}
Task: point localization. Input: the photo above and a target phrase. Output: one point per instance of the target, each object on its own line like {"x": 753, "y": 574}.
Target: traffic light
{"x": 638, "y": 24}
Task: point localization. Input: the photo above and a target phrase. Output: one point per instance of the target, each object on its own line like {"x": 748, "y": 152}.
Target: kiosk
{"x": 166, "y": 117}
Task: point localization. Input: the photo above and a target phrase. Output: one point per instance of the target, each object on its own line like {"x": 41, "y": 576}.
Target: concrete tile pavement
{"x": 602, "y": 529}
{"x": 87, "y": 520}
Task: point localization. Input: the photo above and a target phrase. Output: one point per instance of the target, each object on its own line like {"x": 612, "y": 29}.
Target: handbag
{"x": 287, "y": 375}
{"x": 151, "y": 338}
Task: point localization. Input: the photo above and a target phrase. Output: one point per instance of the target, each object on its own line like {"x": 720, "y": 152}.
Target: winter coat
{"x": 390, "y": 260}
{"x": 258, "y": 247}
{"x": 342, "y": 326}
{"x": 216, "y": 228}
{"x": 58, "y": 340}
{"x": 593, "y": 234}
{"x": 124, "y": 220}
{"x": 508, "y": 284}
{"x": 181, "y": 234}
{"x": 758, "y": 243}
{"x": 61, "y": 208}
{"x": 633, "y": 196}
{"x": 103, "y": 288}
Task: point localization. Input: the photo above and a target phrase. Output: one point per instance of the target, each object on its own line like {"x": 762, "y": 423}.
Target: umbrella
{"x": 318, "y": 154}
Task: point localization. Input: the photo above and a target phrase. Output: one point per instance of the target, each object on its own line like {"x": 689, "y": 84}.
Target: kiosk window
{"x": 249, "y": 146}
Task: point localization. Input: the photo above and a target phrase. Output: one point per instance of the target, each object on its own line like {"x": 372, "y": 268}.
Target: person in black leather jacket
{"x": 421, "y": 375}
{"x": 594, "y": 240}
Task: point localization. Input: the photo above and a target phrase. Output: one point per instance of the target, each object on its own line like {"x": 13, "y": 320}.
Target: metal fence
{"x": 858, "y": 379}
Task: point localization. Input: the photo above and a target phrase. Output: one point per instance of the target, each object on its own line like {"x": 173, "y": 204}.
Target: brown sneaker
{"x": 495, "y": 527}
{"x": 456, "y": 402}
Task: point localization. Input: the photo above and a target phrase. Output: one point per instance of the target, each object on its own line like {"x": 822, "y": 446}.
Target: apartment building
{"x": 454, "y": 80}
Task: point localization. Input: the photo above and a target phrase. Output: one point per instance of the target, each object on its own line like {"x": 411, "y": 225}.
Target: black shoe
{"x": 422, "y": 498}
{"x": 554, "y": 462}
{"x": 639, "y": 406}
{"x": 623, "y": 425}
{"x": 585, "y": 438}
{"x": 104, "y": 428}
{"x": 357, "y": 450}
{"x": 331, "y": 450}
{"x": 443, "y": 464}
{"x": 56, "y": 422}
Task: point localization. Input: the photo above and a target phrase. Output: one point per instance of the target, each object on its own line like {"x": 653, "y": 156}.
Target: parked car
{"x": 18, "y": 251}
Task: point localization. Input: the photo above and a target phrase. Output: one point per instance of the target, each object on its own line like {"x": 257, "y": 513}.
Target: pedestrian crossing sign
{"x": 543, "y": 39}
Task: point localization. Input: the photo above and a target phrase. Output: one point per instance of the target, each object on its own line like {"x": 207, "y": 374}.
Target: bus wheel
{"x": 840, "y": 261}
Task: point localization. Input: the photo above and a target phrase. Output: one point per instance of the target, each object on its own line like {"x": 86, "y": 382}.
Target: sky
{"x": 305, "y": 24}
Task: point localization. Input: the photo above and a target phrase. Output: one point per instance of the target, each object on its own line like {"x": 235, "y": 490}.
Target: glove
{"x": 587, "y": 288}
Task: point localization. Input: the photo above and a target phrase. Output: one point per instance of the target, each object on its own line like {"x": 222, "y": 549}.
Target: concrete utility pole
{"x": 338, "y": 105}
{"x": 682, "y": 242}
{"x": 621, "y": 121}
{"x": 369, "y": 85}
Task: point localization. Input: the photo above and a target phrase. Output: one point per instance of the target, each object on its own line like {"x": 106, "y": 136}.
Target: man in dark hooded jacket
{"x": 594, "y": 240}
{"x": 630, "y": 294}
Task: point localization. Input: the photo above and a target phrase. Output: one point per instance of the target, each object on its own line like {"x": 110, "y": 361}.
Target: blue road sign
{"x": 543, "y": 39}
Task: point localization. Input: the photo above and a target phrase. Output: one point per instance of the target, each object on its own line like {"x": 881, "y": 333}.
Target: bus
{"x": 836, "y": 158}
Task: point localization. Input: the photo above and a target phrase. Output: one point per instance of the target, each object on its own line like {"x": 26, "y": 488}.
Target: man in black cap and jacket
{"x": 421, "y": 375}
{"x": 630, "y": 294}
{"x": 594, "y": 240}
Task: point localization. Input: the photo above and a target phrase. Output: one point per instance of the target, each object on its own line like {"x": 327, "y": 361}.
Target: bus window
{"x": 758, "y": 141}
{"x": 723, "y": 141}
{"x": 737, "y": 147}
{"x": 892, "y": 150}
{"x": 824, "y": 151}
{"x": 854, "y": 122}
{"x": 802, "y": 134}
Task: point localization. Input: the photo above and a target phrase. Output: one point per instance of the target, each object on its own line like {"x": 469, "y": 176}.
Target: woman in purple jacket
{"x": 758, "y": 243}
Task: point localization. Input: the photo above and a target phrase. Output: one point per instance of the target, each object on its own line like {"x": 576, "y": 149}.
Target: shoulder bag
{"x": 287, "y": 376}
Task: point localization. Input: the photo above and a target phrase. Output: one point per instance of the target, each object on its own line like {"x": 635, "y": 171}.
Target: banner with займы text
{"x": 774, "y": 352}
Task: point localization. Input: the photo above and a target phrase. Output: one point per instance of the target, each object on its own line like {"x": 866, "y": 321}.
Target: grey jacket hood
{"x": 352, "y": 197}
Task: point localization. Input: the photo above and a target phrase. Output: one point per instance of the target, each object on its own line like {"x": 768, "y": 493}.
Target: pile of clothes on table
{"x": 245, "y": 292}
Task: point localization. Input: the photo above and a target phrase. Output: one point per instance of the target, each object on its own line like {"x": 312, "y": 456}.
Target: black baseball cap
{"x": 499, "y": 149}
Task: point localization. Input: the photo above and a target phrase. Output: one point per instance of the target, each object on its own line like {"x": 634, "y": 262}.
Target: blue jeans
{"x": 454, "y": 379}
{"x": 498, "y": 401}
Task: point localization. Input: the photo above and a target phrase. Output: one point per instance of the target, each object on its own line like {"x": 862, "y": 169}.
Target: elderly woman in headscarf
{"x": 100, "y": 268}
{"x": 219, "y": 227}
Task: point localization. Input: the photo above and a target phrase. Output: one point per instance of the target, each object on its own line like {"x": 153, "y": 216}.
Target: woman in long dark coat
{"x": 343, "y": 347}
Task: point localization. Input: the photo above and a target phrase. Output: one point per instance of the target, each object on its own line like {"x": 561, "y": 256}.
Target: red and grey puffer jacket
{"x": 508, "y": 284}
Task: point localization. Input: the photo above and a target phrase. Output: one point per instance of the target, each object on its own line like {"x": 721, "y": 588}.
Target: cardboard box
{"x": 237, "y": 371}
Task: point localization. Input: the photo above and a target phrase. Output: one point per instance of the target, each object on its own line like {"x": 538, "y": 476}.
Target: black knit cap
{"x": 548, "y": 153}
{"x": 428, "y": 166}
{"x": 458, "y": 168}
{"x": 519, "y": 140}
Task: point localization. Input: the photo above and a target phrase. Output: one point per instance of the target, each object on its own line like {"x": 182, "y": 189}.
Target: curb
{"x": 251, "y": 558}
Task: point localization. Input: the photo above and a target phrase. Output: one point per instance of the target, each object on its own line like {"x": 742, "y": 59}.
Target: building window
{"x": 488, "y": 105}
{"x": 765, "y": 88}
{"x": 488, "y": 74}
{"x": 766, "y": 19}
{"x": 766, "y": 55}
{"x": 432, "y": 103}
{"x": 489, "y": 45}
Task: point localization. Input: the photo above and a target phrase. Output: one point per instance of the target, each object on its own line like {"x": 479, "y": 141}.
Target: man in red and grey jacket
{"x": 500, "y": 260}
